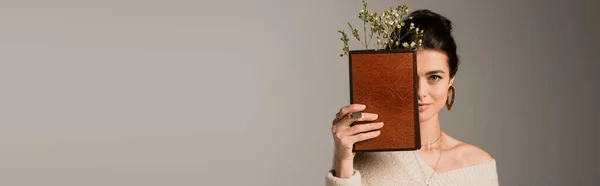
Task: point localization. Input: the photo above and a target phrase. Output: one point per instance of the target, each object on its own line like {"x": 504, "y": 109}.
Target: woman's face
{"x": 434, "y": 81}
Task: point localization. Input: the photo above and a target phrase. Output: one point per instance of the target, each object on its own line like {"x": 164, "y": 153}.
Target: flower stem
{"x": 365, "y": 31}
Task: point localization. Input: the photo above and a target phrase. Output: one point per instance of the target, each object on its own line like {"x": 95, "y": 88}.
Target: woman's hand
{"x": 345, "y": 136}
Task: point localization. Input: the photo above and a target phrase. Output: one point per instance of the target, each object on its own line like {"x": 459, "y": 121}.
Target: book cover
{"x": 386, "y": 82}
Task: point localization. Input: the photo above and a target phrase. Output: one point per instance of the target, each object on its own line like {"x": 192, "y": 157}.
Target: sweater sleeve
{"x": 494, "y": 182}
{"x": 354, "y": 180}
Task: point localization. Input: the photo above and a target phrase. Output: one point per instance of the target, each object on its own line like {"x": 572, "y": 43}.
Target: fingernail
{"x": 362, "y": 106}
{"x": 380, "y": 124}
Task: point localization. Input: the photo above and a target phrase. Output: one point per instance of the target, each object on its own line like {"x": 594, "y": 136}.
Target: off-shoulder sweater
{"x": 407, "y": 168}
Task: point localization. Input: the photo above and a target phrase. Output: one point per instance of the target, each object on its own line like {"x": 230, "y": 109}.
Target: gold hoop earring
{"x": 448, "y": 102}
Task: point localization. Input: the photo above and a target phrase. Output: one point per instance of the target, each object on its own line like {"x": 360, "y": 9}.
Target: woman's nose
{"x": 421, "y": 89}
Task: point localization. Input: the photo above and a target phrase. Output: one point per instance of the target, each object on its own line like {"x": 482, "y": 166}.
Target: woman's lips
{"x": 423, "y": 107}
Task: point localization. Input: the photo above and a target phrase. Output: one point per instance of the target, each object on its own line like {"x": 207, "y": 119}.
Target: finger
{"x": 364, "y": 136}
{"x": 347, "y": 120}
{"x": 356, "y": 129}
{"x": 349, "y": 109}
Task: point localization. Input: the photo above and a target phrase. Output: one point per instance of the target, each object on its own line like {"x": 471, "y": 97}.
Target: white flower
{"x": 372, "y": 26}
{"x": 362, "y": 11}
{"x": 417, "y": 29}
{"x": 401, "y": 23}
{"x": 412, "y": 44}
{"x": 397, "y": 42}
{"x": 405, "y": 44}
{"x": 396, "y": 14}
{"x": 398, "y": 26}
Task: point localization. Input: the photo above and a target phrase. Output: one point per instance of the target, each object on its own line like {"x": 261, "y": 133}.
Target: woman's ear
{"x": 451, "y": 82}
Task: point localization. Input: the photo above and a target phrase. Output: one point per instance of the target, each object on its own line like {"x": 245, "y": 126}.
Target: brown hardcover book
{"x": 386, "y": 82}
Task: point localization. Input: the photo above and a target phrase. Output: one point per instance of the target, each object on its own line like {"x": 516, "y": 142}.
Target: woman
{"x": 442, "y": 160}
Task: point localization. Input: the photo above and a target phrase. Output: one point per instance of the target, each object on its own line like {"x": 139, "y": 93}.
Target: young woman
{"x": 442, "y": 160}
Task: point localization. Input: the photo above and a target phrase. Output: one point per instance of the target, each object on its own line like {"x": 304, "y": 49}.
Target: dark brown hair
{"x": 437, "y": 35}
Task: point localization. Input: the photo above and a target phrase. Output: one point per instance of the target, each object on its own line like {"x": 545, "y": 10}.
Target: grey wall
{"x": 243, "y": 92}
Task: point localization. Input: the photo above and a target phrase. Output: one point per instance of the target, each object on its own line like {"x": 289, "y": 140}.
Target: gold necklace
{"x": 428, "y": 179}
{"x": 439, "y": 137}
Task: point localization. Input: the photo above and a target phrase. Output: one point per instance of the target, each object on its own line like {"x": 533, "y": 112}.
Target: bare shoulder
{"x": 471, "y": 154}
{"x": 468, "y": 154}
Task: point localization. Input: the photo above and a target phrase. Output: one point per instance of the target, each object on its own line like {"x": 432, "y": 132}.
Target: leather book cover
{"x": 386, "y": 82}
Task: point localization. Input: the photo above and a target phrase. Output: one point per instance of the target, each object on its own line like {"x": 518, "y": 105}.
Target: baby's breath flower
{"x": 381, "y": 24}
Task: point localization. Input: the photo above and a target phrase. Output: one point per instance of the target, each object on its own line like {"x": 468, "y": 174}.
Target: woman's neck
{"x": 430, "y": 132}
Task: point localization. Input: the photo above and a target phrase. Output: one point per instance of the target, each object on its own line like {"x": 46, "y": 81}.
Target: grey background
{"x": 242, "y": 92}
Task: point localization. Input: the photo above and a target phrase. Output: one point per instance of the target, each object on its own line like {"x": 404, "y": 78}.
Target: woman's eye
{"x": 435, "y": 78}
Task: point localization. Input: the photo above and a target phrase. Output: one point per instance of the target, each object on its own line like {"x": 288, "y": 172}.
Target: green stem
{"x": 365, "y": 33}
{"x": 370, "y": 36}
{"x": 390, "y": 40}
{"x": 398, "y": 35}
{"x": 404, "y": 35}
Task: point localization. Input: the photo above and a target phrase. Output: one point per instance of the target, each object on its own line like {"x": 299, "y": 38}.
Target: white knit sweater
{"x": 402, "y": 168}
